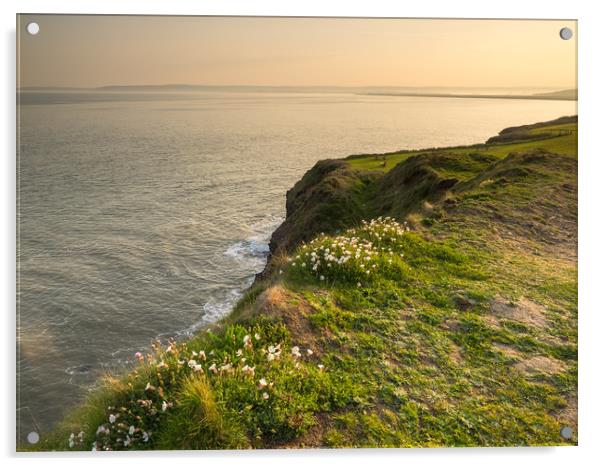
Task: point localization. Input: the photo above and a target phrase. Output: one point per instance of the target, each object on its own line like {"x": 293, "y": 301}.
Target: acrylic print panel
{"x": 205, "y": 261}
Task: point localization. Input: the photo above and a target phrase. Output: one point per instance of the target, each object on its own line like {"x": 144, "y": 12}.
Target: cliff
{"x": 416, "y": 298}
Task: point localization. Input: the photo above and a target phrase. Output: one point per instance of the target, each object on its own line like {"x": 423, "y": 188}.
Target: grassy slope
{"x": 464, "y": 333}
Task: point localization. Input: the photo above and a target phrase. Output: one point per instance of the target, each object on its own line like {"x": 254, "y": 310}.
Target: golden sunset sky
{"x": 89, "y": 51}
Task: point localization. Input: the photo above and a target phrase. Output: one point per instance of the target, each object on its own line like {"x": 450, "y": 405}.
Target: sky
{"x": 90, "y": 51}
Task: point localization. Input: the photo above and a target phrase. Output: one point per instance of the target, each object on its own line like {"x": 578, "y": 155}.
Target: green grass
{"x": 565, "y": 145}
{"x": 458, "y": 328}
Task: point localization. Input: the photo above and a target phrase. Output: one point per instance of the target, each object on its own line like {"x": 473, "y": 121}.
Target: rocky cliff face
{"x": 328, "y": 198}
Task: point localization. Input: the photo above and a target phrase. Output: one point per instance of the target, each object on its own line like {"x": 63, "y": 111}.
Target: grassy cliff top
{"x": 424, "y": 298}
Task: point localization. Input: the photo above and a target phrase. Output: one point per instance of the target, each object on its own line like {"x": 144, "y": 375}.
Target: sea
{"x": 145, "y": 215}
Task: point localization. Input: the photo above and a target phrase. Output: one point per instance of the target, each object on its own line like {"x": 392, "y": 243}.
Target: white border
{"x": 590, "y": 190}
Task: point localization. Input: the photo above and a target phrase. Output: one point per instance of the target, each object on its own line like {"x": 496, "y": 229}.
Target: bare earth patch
{"x": 507, "y": 350}
{"x": 455, "y": 354}
{"x": 294, "y": 310}
{"x": 525, "y": 311}
{"x": 541, "y": 365}
{"x": 568, "y": 415}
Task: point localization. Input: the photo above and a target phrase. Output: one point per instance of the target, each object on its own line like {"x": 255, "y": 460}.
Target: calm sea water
{"x": 145, "y": 216}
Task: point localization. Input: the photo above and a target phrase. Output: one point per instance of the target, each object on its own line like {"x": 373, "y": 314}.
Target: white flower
{"x": 145, "y": 436}
{"x": 112, "y": 418}
{"x": 127, "y": 441}
{"x": 213, "y": 369}
{"x": 321, "y": 366}
{"x": 101, "y": 429}
{"x": 226, "y": 368}
{"x": 94, "y": 446}
{"x": 257, "y": 337}
{"x": 197, "y": 368}
{"x": 265, "y": 395}
{"x": 165, "y": 405}
{"x": 131, "y": 430}
{"x": 321, "y": 277}
{"x": 295, "y": 351}
{"x": 191, "y": 363}
{"x": 262, "y": 384}
{"x": 309, "y": 352}
{"x": 239, "y": 352}
{"x": 271, "y": 357}
{"x": 149, "y": 387}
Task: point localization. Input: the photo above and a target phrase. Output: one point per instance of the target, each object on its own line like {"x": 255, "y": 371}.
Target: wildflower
{"x": 250, "y": 371}
{"x": 194, "y": 353}
{"x": 145, "y": 404}
{"x": 247, "y": 341}
{"x": 165, "y": 405}
{"x": 162, "y": 365}
{"x": 239, "y": 352}
{"x": 359, "y": 285}
{"x": 213, "y": 369}
{"x": 280, "y": 272}
{"x": 112, "y": 418}
{"x": 295, "y": 351}
{"x": 127, "y": 441}
{"x": 257, "y": 337}
{"x": 149, "y": 387}
{"x": 94, "y": 446}
{"x": 202, "y": 355}
{"x": 101, "y": 429}
{"x": 321, "y": 366}
{"x": 271, "y": 357}
{"x": 197, "y": 368}
{"x": 309, "y": 352}
{"x": 192, "y": 363}
{"x": 139, "y": 356}
{"x": 265, "y": 395}
{"x": 225, "y": 368}
{"x": 262, "y": 384}
{"x": 145, "y": 436}
{"x": 131, "y": 430}
{"x": 322, "y": 277}
{"x": 72, "y": 440}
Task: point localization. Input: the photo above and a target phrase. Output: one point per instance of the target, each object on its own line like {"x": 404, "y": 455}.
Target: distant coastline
{"x": 569, "y": 94}
{"x": 462, "y": 93}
